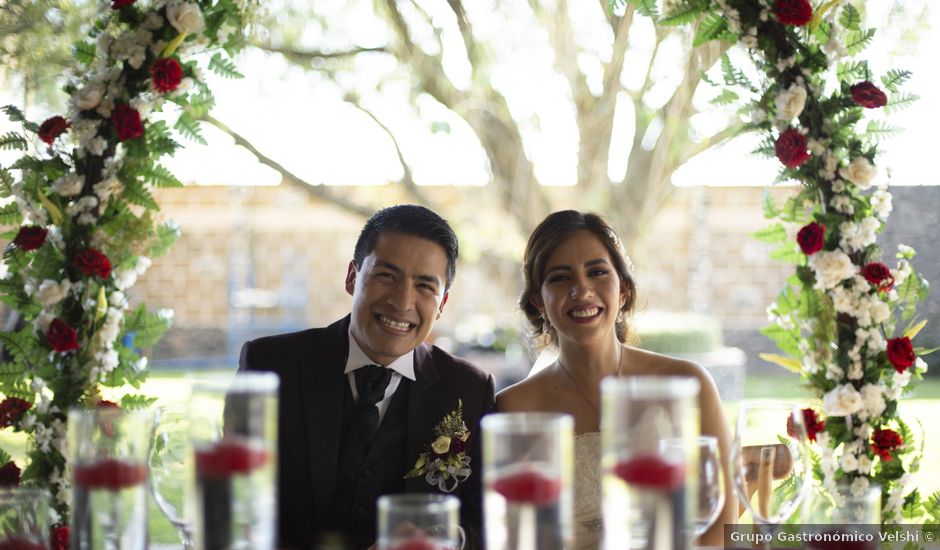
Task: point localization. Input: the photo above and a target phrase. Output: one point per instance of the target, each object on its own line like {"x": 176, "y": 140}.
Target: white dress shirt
{"x": 403, "y": 366}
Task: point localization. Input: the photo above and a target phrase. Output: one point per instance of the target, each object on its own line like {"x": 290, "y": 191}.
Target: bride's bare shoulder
{"x": 526, "y": 395}
{"x": 647, "y": 362}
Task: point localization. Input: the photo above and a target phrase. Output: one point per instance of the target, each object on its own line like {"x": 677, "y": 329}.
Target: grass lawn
{"x": 921, "y": 407}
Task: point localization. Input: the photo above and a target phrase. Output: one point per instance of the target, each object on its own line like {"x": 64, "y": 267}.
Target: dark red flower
{"x": 9, "y": 475}
{"x": 885, "y": 441}
{"x": 811, "y": 238}
{"x": 52, "y": 128}
{"x": 30, "y": 237}
{"x": 59, "y": 538}
{"x": 868, "y": 95}
{"x": 879, "y": 275}
{"x": 457, "y": 445}
{"x": 118, "y": 4}
{"x": 793, "y": 12}
{"x": 92, "y": 262}
{"x": 62, "y": 337}
{"x": 11, "y": 410}
{"x": 791, "y": 148}
{"x": 812, "y": 423}
{"x": 105, "y": 404}
{"x": 901, "y": 353}
{"x": 166, "y": 75}
{"x": 127, "y": 123}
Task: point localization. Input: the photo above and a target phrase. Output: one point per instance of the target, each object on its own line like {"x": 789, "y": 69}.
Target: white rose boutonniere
{"x": 186, "y": 17}
{"x": 445, "y": 464}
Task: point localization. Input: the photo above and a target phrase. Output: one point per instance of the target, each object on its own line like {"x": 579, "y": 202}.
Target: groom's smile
{"x": 398, "y": 292}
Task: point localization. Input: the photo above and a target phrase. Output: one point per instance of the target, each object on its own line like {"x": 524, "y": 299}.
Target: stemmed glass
{"x": 771, "y": 461}
{"x": 170, "y": 474}
{"x": 709, "y": 481}
{"x": 23, "y": 518}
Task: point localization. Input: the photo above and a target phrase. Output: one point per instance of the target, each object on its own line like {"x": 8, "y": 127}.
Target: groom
{"x": 360, "y": 399}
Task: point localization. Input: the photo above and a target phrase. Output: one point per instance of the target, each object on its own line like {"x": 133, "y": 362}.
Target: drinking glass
{"x": 234, "y": 435}
{"x": 108, "y": 450}
{"x": 840, "y": 510}
{"x": 711, "y": 495}
{"x": 419, "y": 522}
{"x": 170, "y": 457}
{"x": 648, "y": 495}
{"x": 527, "y": 473}
{"x": 24, "y": 518}
{"x": 770, "y": 460}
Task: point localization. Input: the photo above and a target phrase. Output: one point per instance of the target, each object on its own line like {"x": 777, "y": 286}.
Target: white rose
{"x": 51, "y": 293}
{"x": 874, "y": 403}
{"x": 848, "y": 463}
{"x": 124, "y": 278}
{"x": 89, "y": 96}
{"x": 881, "y": 203}
{"x": 842, "y": 401}
{"x": 860, "y": 172}
{"x": 790, "y": 102}
{"x": 880, "y": 312}
{"x": 859, "y": 486}
{"x": 106, "y": 188}
{"x": 185, "y": 17}
{"x": 68, "y": 185}
{"x": 832, "y": 267}
{"x": 864, "y": 465}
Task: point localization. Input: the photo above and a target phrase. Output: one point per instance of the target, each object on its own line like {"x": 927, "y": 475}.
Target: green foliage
{"x": 900, "y": 101}
{"x": 13, "y": 141}
{"x": 850, "y": 18}
{"x": 159, "y": 176}
{"x": 773, "y": 233}
{"x": 84, "y": 52}
{"x": 850, "y": 71}
{"x": 188, "y": 127}
{"x": 146, "y": 328}
{"x": 224, "y": 67}
{"x": 726, "y": 97}
{"x": 133, "y": 402}
{"x": 895, "y": 78}
{"x": 167, "y": 235}
{"x": 683, "y": 13}
{"x": 10, "y": 214}
{"x": 877, "y": 130}
{"x": 857, "y": 41}
{"x": 710, "y": 28}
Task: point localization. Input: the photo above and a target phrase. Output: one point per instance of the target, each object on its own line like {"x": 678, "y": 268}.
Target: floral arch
{"x": 845, "y": 320}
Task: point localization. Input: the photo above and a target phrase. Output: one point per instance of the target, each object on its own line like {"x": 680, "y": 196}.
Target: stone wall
{"x": 256, "y": 260}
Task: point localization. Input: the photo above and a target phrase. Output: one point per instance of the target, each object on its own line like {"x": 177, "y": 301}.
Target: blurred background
{"x": 493, "y": 113}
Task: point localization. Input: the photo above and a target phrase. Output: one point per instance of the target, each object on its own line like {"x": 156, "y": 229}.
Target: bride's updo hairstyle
{"x": 553, "y": 230}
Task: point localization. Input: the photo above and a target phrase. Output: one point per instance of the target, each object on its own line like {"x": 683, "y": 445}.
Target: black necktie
{"x": 371, "y": 382}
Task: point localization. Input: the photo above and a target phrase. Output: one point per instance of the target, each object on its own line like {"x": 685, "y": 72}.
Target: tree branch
{"x": 309, "y": 55}
{"x": 466, "y": 33}
{"x": 407, "y": 179}
{"x": 318, "y": 191}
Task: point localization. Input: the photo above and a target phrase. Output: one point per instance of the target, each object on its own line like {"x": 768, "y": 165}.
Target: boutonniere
{"x": 445, "y": 463}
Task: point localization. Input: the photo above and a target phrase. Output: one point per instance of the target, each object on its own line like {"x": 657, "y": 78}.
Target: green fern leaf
{"x": 133, "y": 402}
{"x": 84, "y": 52}
{"x": 10, "y": 214}
{"x": 732, "y": 75}
{"x": 851, "y": 71}
{"x": 771, "y": 234}
{"x": 13, "y": 113}
{"x": 900, "y": 101}
{"x": 135, "y": 193}
{"x": 710, "y": 28}
{"x": 877, "y": 130}
{"x": 160, "y": 176}
{"x": 856, "y": 41}
{"x": 895, "y": 78}
{"x": 201, "y": 103}
{"x": 224, "y": 67}
{"x": 726, "y": 97}
{"x": 685, "y": 13}
{"x": 850, "y": 18}
{"x": 14, "y": 141}
{"x": 167, "y": 235}
{"x": 189, "y": 128}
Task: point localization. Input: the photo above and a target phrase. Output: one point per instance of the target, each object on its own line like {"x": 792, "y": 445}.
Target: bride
{"x": 578, "y": 288}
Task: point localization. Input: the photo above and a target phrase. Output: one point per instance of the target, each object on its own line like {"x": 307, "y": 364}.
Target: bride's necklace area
{"x": 578, "y": 389}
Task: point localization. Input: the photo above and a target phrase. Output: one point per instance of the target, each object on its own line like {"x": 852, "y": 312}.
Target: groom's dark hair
{"x": 413, "y": 220}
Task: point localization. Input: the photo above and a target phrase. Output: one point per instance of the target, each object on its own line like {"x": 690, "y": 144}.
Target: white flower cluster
{"x": 831, "y": 267}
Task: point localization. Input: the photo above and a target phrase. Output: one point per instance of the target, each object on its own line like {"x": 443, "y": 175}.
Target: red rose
{"x": 30, "y": 237}
{"x": 126, "y": 121}
{"x": 811, "y": 238}
{"x": 118, "y": 4}
{"x": 793, "y": 12}
{"x": 812, "y": 423}
{"x": 166, "y": 75}
{"x": 879, "y": 275}
{"x": 457, "y": 445}
{"x": 92, "y": 262}
{"x": 62, "y": 337}
{"x": 901, "y": 353}
{"x": 52, "y": 128}
{"x": 885, "y": 441}
{"x": 11, "y": 410}
{"x": 105, "y": 404}
{"x": 59, "y": 538}
{"x": 9, "y": 475}
{"x": 868, "y": 95}
{"x": 791, "y": 148}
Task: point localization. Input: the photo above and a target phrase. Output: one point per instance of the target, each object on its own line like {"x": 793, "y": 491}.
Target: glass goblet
{"x": 770, "y": 461}
{"x": 23, "y": 518}
{"x": 170, "y": 475}
{"x": 709, "y": 480}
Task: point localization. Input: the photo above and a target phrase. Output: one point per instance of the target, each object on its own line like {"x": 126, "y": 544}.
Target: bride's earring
{"x": 546, "y": 326}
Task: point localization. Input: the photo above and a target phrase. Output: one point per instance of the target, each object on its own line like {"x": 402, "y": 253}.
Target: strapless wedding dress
{"x": 587, "y": 491}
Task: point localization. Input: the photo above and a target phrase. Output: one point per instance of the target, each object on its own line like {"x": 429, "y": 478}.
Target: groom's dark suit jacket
{"x": 324, "y": 488}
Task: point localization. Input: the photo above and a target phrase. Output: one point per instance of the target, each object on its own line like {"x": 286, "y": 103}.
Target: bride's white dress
{"x": 587, "y": 491}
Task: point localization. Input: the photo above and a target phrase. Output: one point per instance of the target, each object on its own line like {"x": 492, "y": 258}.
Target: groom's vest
{"x": 362, "y": 477}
